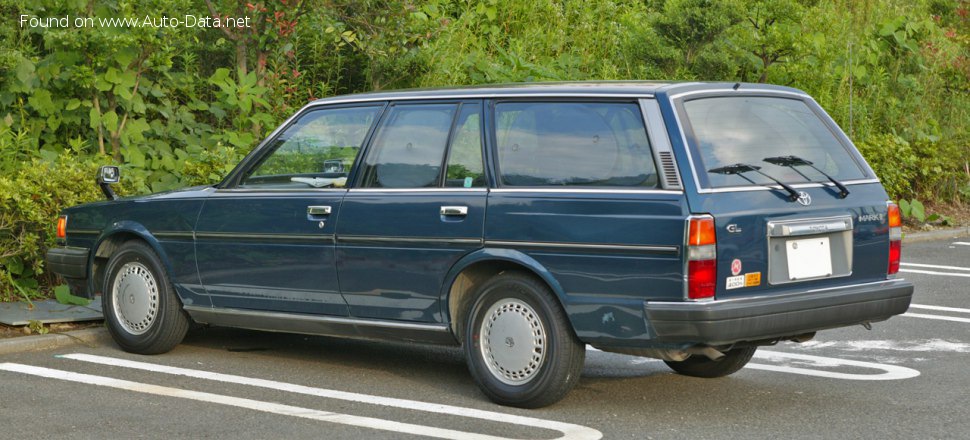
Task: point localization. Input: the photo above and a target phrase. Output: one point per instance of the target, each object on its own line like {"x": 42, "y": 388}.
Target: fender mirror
{"x": 107, "y": 175}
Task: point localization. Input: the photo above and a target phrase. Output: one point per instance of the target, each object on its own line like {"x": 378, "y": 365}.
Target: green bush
{"x": 30, "y": 201}
{"x": 894, "y": 161}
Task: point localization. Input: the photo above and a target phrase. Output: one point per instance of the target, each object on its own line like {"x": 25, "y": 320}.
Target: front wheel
{"x": 702, "y": 366}
{"x": 519, "y": 346}
{"x": 143, "y": 314}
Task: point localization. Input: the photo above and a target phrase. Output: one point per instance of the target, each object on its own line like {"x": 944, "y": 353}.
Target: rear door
{"x": 417, "y": 208}
{"x": 768, "y": 243}
{"x": 267, "y": 243}
{"x": 581, "y": 194}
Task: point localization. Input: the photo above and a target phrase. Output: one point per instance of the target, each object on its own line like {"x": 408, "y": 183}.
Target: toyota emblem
{"x": 804, "y": 199}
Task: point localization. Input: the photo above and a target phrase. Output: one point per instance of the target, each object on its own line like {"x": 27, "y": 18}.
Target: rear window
{"x": 573, "y": 144}
{"x": 732, "y": 130}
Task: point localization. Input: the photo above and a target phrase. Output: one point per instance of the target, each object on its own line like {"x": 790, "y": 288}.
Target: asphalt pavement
{"x": 906, "y": 378}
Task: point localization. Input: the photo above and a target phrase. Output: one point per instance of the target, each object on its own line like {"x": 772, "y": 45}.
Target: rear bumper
{"x": 764, "y": 318}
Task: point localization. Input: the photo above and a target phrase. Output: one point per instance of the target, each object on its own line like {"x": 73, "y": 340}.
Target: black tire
{"x": 522, "y": 309}
{"x": 141, "y": 309}
{"x": 699, "y": 365}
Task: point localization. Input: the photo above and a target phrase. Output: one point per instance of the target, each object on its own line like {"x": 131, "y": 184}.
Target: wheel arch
{"x": 470, "y": 272}
{"x": 108, "y": 243}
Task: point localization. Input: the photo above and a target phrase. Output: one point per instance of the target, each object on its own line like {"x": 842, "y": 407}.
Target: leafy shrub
{"x": 894, "y": 161}
{"x": 30, "y": 201}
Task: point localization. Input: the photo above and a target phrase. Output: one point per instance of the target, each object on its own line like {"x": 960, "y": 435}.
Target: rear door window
{"x": 749, "y": 129}
{"x": 409, "y": 148}
{"x": 589, "y": 144}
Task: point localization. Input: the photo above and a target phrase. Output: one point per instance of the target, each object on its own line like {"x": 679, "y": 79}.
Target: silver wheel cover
{"x": 134, "y": 298}
{"x": 513, "y": 341}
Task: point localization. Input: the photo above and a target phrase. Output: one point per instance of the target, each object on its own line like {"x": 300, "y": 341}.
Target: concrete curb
{"x": 917, "y": 237}
{"x": 88, "y": 336}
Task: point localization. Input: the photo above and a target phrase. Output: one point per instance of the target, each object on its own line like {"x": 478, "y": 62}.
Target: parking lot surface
{"x": 906, "y": 378}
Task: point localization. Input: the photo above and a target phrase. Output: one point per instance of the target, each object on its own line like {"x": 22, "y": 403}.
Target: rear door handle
{"x": 454, "y": 210}
{"x": 318, "y": 210}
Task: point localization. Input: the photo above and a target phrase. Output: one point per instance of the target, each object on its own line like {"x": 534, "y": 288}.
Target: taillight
{"x": 62, "y": 227}
{"x": 701, "y": 258}
{"x": 895, "y": 238}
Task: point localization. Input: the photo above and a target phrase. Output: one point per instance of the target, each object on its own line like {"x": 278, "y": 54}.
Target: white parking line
{"x": 889, "y": 372}
{"x": 934, "y": 266}
{"x": 962, "y": 243}
{"x": 940, "y": 308}
{"x": 569, "y": 430}
{"x": 257, "y": 405}
{"x": 928, "y": 272}
{"x": 937, "y": 317}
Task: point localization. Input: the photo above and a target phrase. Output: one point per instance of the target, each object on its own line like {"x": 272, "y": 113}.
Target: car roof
{"x": 572, "y": 89}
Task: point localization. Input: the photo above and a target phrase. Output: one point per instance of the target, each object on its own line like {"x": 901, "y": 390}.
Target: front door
{"x": 417, "y": 208}
{"x": 267, "y": 241}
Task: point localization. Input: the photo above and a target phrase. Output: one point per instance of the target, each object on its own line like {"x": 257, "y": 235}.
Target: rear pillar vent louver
{"x": 671, "y": 178}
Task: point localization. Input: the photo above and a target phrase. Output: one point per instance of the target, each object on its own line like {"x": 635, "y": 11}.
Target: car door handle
{"x": 454, "y": 210}
{"x": 318, "y": 210}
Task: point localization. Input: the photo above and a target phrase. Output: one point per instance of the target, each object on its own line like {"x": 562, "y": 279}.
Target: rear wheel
{"x": 143, "y": 314}
{"x": 703, "y": 366}
{"x": 519, "y": 346}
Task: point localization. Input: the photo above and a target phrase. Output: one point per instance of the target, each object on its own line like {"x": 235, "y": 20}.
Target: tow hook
{"x": 867, "y": 325}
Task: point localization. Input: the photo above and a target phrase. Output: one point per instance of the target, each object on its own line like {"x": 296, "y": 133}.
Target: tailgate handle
{"x": 813, "y": 228}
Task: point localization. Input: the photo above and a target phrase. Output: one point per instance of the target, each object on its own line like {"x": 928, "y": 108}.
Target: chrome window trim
{"x": 480, "y": 95}
{"x": 674, "y": 250}
{"x": 417, "y": 190}
{"x": 776, "y": 187}
{"x": 605, "y": 190}
{"x": 278, "y": 190}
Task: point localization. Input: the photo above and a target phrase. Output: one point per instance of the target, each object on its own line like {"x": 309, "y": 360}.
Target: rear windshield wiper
{"x": 740, "y": 168}
{"x": 794, "y": 161}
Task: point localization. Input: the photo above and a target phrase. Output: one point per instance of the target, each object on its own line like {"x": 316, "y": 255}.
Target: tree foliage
{"x": 180, "y": 105}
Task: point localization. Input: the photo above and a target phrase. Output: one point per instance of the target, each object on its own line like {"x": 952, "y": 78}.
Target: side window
{"x": 573, "y": 144}
{"x": 465, "y": 168}
{"x": 317, "y": 151}
{"x": 409, "y": 147}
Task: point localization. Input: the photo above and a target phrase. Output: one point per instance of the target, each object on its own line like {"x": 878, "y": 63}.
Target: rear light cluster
{"x": 895, "y": 238}
{"x": 701, "y": 258}
{"x": 62, "y": 227}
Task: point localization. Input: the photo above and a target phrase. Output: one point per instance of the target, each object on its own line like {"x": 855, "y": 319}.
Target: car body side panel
{"x": 608, "y": 252}
{"x": 164, "y": 221}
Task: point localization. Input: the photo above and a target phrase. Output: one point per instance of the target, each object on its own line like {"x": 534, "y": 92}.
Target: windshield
{"x": 749, "y": 129}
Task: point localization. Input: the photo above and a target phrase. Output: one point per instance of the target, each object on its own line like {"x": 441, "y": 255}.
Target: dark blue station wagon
{"x": 687, "y": 222}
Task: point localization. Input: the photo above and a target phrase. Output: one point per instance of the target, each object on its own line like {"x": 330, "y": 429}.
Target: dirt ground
{"x": 7, "y": 331}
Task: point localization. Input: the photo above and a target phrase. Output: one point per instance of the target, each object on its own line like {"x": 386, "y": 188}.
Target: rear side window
{"x": 749, "y": 129}
{"x": 410, "y": 146}
{"x": 573, "y": 144}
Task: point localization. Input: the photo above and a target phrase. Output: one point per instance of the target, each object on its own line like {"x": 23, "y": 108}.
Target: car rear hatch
{"x": 795, "y": 207}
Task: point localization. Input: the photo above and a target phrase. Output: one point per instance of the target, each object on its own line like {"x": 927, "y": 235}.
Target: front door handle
{"x": 454, "y": 210}
{"x": 318, "y": 210}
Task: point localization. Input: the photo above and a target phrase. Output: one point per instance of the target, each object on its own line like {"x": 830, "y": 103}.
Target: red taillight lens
{"x": 895, "y": 251}
{"x": 701, "y": 258}
{"x": 895, "y": 239}
{"x": 62, "y": 227}
{"x": 701, "y": 279}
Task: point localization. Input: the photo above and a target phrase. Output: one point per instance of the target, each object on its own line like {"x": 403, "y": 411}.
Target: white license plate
{"x": 809, "y": 258}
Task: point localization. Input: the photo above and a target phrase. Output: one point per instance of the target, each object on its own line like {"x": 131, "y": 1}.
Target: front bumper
{"x": 774, "y": 317}
{"x": 71, "y": 263}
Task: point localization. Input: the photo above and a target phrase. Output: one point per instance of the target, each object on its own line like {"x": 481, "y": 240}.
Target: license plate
{"x": 809, "y": 258}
